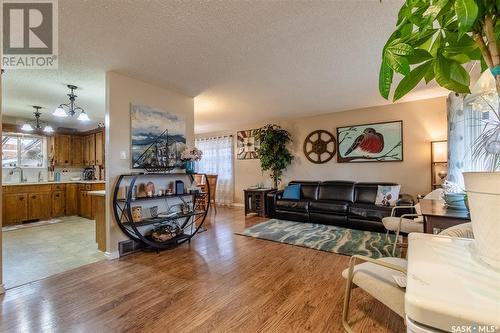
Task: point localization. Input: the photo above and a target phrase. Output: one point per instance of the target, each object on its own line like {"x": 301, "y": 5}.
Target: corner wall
{"x": 423, "y": 121}
{"x": 121, "y": 91}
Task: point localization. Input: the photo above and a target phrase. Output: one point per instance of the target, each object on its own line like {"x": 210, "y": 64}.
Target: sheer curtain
{"x": 468, "y": 116}
{"x": 218, "y": 160}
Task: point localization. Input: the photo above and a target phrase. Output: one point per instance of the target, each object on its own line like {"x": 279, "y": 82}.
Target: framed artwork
{"x": 247, "y": 145}
{"x": 157, "y": 138}
{"x": 379, "y": 142}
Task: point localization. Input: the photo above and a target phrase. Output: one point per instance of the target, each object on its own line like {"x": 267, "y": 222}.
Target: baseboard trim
{"x": 112, "y": 255}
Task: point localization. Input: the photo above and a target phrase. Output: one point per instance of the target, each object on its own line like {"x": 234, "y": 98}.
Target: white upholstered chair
{"x": 405, "y": 223}
{"x": 375, "y": 276}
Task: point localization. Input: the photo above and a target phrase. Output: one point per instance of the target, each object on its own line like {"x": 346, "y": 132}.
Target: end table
{"x": 255, "y": 201}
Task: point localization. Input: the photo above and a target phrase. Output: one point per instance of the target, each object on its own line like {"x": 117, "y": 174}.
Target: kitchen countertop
{"x": 100, "y": 193}
{"x": 60, "y": 182}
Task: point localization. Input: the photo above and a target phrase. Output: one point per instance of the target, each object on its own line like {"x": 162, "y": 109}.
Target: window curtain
{"x": 218, "y": 160}
{"x": 468, "y": 116}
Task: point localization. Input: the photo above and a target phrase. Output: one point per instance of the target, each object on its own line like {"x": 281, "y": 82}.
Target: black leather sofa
{"x": 340, "y": 203}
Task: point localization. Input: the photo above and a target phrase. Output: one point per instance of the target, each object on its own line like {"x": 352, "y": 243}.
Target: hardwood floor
{"x": 220, "y": 283}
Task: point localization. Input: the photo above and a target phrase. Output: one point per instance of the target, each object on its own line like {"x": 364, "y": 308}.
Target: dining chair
{"x": 212, "y": 183}
{"x": 405, "y": 223}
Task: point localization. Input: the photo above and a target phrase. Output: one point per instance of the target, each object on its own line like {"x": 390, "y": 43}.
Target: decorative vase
{"x": 189, "y": 166}
{"x": 483, "y": 196}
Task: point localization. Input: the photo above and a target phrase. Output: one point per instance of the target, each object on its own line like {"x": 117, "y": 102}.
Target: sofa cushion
{"x": 367, "y": 192}
{"x": 329, "y": 206}
{"x": 308, "y": 189}
{"x": 369, "y": 211}
{"x": 292, "y": 192}
{"x": 336, "y": 190}
{"x": 293, "y": 205}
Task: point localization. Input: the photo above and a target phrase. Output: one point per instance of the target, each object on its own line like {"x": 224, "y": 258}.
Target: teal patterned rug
{"x": 323, "y": 237}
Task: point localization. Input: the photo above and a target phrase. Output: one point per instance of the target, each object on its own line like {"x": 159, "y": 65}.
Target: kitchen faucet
{"x": 21, "y": 173}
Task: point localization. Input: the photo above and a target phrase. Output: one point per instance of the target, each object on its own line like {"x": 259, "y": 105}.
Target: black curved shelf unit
{"x": 190, "y": 223}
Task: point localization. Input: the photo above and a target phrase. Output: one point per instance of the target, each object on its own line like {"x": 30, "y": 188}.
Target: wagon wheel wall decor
{"x": 320, "y": 146}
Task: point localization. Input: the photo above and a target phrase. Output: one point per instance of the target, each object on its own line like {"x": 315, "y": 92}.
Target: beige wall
{"x": 423, "y": 121}
{"x": 120, "y": 92}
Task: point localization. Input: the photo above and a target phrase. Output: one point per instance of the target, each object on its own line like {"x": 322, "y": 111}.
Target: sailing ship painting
{"x": 158, "y": 138}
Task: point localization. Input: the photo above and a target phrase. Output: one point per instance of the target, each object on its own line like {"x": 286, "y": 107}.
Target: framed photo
{"x": 378, "y": 142}
{"x": 247, "y": 145}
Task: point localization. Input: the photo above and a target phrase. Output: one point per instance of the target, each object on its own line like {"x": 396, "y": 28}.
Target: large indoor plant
{"x": 273, "y": 152}
{"x": 434, "y": 39}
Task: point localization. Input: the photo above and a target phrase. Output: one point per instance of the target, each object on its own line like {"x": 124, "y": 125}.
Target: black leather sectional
{"x": 341, "y": 203}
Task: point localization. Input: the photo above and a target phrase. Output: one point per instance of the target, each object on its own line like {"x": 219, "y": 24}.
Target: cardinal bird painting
{"x": 382, "y": 142}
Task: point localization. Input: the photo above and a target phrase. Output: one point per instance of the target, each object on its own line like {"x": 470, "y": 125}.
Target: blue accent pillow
{"x": 292, "y": 192}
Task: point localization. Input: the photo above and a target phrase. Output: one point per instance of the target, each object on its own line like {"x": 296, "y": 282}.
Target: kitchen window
{"x": 26, "y": 151}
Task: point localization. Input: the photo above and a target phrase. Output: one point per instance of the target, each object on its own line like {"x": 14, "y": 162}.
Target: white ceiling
{"x": 245, "y": 61}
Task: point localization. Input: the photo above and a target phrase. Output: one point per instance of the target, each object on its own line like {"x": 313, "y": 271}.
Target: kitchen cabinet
{"x": 91, "y": 139}
{"x": 58, "y": 203}
{"x": 39, "y": 206}
{"x": 76, "y": 153}
{"x": 85, "y": 204}
{"x": 62, "y": 149}
{"x": 99, "y": 148}
{"x": 15, "y": 208}
{"x": 72, "y": 199}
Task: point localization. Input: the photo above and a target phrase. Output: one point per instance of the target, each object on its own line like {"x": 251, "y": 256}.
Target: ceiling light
{"x": 27, "y": 127}
{"x": 36, "y": 124}
{"x": 83, "y": 116}
{"x": 70, "y": 109}
{"x": 48, "y": 129}
{"x": 59, "y": 112}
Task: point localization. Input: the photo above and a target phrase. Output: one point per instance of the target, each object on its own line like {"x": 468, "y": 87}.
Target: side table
{"x": 255, "y": 201}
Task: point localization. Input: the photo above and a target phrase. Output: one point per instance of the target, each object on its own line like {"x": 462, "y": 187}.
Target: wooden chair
{"x": 375, "y": 277}
{"x": 212, "y": 183}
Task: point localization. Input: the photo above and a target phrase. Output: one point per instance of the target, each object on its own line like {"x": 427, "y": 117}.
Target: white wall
{"x": 424, "y": 121}
{"x": 120, "y": 92}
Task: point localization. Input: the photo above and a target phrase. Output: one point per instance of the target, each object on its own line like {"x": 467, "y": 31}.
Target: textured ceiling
{"x": 245, "y": 61}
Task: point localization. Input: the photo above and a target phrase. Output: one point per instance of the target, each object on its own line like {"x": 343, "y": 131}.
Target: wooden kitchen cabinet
{"x": 62, "y": 150}
{"x": 85, "y": 204}
{"x": 58, "y": 203}
{"x": 39, "y": 206}
{"x": 91, "y": 139}
{"x": 72, "y": 199}
{"x": 99, "y": 148}
{"x": 76, "y": 153}
{"x": 15, "y": 208}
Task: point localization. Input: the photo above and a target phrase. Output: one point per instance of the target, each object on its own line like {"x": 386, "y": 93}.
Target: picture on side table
{"x": 247, "y": 145}
{"x": 378, "y": 142}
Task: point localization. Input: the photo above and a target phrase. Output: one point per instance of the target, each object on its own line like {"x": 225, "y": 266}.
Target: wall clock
{"x": 247, "y": 145}
{"x": 320, "y": 146}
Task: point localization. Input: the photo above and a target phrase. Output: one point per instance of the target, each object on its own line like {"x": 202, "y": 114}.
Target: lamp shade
{"x": 439, "y": 151}
{"x": 48, "y": 129}
{"x": 27, "y": 127}
{"x": 60, "y": 112}
{"x": 83, "y": 116}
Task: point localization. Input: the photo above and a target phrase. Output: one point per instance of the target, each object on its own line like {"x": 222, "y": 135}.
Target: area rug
{"x": 323, "y": 237}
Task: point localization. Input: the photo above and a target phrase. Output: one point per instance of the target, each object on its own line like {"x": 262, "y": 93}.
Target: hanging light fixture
{"x": 37, "y": 124}
{"x": 70, "y": 109}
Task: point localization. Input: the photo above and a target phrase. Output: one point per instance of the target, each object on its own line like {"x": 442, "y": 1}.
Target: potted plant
{"x": 273, "y": 152}
{"x": 189, "y": 156}
{"x": 433, "y": 40}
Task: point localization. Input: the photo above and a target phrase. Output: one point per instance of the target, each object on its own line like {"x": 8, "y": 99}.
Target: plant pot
{"x": 483, "y": 196}
{"x": 189, "y": 166}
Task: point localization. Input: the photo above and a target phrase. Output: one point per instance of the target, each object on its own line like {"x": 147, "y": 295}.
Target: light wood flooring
{"x": 222, "y": 282}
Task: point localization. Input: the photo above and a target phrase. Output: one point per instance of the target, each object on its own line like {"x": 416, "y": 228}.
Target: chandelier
{"x": 37, "y": 124}
{"x": 70, "y": 109}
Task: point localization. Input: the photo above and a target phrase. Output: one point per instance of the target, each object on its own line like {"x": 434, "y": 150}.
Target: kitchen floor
{"x": 33, "y": 252}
